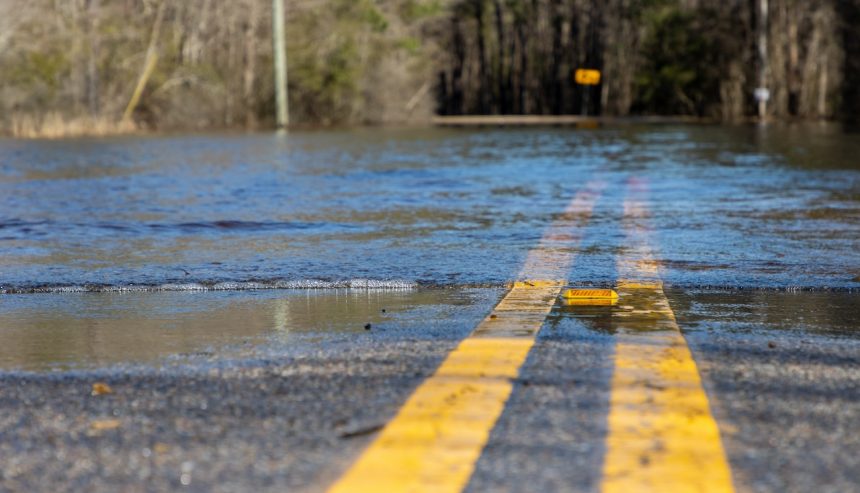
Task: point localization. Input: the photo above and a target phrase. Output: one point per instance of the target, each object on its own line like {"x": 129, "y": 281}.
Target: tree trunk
{"x": 501, "y": 63}
{"x": 93, "y": 101}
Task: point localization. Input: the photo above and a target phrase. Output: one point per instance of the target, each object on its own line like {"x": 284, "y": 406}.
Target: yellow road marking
{"x": 437, "y": 436}
{"x": 662, "y": 436}
{"x": 435, "y": 439}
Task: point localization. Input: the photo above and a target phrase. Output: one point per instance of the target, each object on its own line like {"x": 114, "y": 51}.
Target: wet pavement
{"x": 290, "y": 412}
{"x": 784, "y": 371}
{"x": 253, "y": 310}
{"x": 272, "y": 417}
{"x": 86, "y": 330}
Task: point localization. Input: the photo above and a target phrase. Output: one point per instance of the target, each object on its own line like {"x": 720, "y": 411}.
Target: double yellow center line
{"x": 434, "y": 441}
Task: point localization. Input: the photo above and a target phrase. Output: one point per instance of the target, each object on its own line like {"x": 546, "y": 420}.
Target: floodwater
{"x": 743, "y": 206}
{"x": 105, "y": 243}
{"x": 72, "y": 331}
{"x": 740, "y": 313}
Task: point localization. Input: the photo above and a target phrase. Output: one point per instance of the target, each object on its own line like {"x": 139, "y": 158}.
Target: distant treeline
{"x": 80, "y": 66}
{"x": 681, "y": 57}
{"x": 72, "y": 66}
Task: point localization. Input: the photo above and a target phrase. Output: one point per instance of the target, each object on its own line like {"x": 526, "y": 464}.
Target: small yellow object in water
{"x": 589, "y": 294}
{"x": 589, "y": 301}
{"x": 100, "y": 388}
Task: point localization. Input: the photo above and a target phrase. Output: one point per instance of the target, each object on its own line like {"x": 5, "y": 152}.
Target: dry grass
{"x": 56, "y": 126}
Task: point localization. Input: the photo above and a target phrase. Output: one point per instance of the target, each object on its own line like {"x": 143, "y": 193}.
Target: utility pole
{"x": 762, "y": 93}
{"x": 282, "y": 114}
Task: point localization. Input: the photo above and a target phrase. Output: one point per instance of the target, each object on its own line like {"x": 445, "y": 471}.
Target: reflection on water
{"x": 92, "y": 329}
{"x": 83, "y": 330}
{"x": 833, "y": 313}
{"x": 737, "y": 206}
{"x": 749, "y": 311}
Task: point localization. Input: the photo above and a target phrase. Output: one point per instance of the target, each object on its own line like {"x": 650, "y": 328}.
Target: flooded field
{"x": 739, "y": 207}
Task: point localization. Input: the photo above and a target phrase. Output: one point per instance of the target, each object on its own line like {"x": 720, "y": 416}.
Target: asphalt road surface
{"x": 295, "y": 413}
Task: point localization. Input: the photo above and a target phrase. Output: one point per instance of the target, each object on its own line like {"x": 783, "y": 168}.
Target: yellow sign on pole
{"x": 587, "y": 77}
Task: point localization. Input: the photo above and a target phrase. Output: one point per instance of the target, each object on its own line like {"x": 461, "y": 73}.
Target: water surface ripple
{"x": 740, "y": 207}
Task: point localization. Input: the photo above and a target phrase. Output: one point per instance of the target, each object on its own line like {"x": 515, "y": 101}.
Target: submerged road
{"x": 541, "y": 394}
{"x": 729, "y": 361}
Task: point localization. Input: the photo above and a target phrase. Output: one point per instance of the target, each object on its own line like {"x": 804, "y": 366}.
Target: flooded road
{"x": 773, "y": 207}
{"x": 81, "y": 331}
{"x": 322, "y": 311}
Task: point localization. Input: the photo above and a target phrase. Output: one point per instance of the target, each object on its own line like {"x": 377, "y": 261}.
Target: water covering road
{"x": 742, "y": 207}
{"x": 753, "y": 231}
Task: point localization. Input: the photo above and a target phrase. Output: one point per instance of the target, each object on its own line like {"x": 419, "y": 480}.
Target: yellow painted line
{"x": 437, "y": 436}
{"x": 662, "y": 436}
{"x": 630, "y": 284}
{"x": 435, "y": 439}
{"x": 537, "y": 283}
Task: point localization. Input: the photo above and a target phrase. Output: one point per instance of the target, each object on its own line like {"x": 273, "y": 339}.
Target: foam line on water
{"x": 374, "y": 284}
{"x": 218, "y": 286}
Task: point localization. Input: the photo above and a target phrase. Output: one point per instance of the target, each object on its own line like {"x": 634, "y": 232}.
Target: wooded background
{"x": 679, "y": 57}
{"x": 71, "y": 66}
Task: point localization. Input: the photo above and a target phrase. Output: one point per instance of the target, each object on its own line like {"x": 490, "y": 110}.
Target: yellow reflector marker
{"x": 589, "y": 294}
{"x": 434, "y": 441}
{"x": 589, "y": 301}
{"x": 662, "y": 436}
